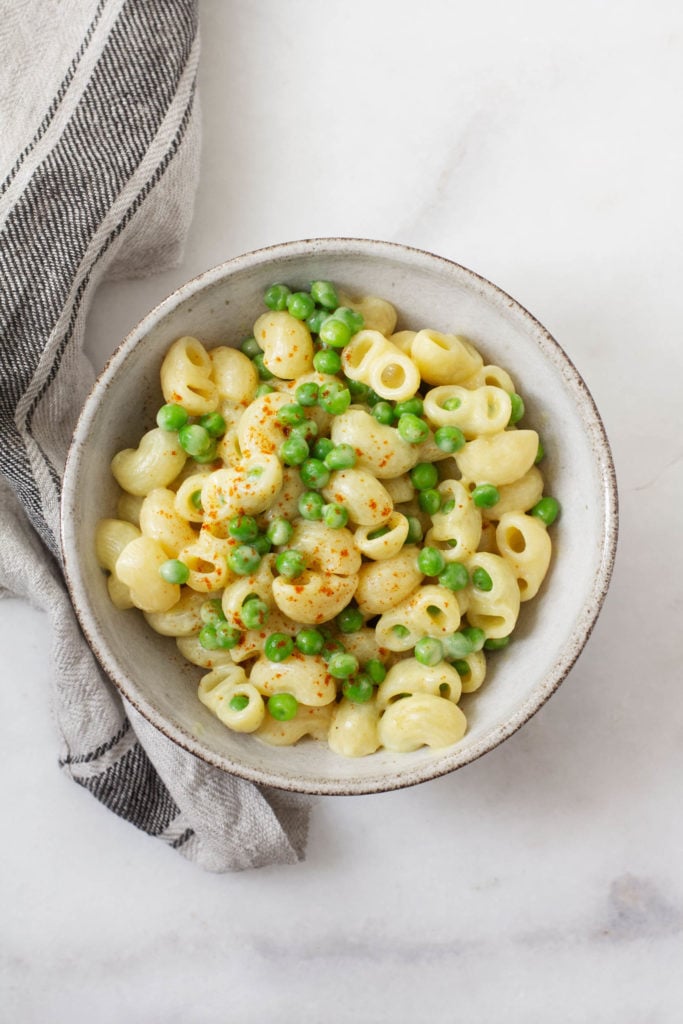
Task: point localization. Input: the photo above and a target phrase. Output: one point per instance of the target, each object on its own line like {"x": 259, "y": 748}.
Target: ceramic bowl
{"x": 220, "y": 307}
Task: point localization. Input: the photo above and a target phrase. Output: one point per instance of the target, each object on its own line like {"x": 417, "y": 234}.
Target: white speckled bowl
{"x": 220, "y": 307}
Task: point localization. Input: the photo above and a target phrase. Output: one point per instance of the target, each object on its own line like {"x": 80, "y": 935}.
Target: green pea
{"x": 415, "y": 532}
{"x": 325, "y": 294}
{"x": 353, "y": 320}
{"x": 452, "y": 403}
{"x": 481, "y": 579}
{"x": 262, "y": 544}
{"x": 485, "y": 496}
{"x": 264, "y": 389}
{"x": 331, "y": 647}
{"x": 278, "y": 647}
{"x": 413, "y": 405}
{"x": 279, "y": 531}
{"x": 461, "y": 667}
{"x": 342, "y": 665}
{"x": 307, "y": 394}
{"x": 496, "y": 643}
{"x": 429, "y": 501}
{"x": 454, "y": 577}
{"x": 449, "y": 439}
{"x": 308, "y": 430}
{"x": 457, "y": 645}
{"x": 334, "y": 398}
{"x": 517, "y": 409}
{"x": 310, "y": 641}
{"x": 239, "y": 702}
{"x": 412, "y": 429}
{"x": 327, "y": 361}
{"x": 276, "y": 296}
{"x": 372, "y": 398}
{"x": 214, "y": 423}
{"x": 400, "y": 631}
{"x": 244, "y": 560}
{"x": 383, "y": 413}
{"x": 335, "y": 516}
{"x": 195, "y": 440}
{"x": 376, "y": 670}
{"x": 448, "y": 506}
{"x": 424, "y": 476}
{"x": 209, "y": 455}
{"x": 294, "y": 451}
{"x": 350, "y": 620}
{"x": 540, "y": 454}
{"x": 358, "y": 690}
{"x": 250, "y": 347}
{"x": 174, "y": 571}
{"x": 263, "y": 371}
{"x": 547, "y": 510}
{"x": 211, "y": 612}
{"x": 314, "y": 474}
{"x": 322, "y": 448}
{"x": 290, "y": 563}
{"x": 227, "y": 636}
{"x": 207, "y": 637}
{"x": 311, "y": 505}
{"x": 254, "y": 613}
{"x": 475, "y": 636}
{"x": 335, "y": 332}
{"x": 300, "y": 305}
{"x": 282, "y": 706}
{"x": 172, "y": 417}
{"x": 196, "y": 499}
{"x": 342, "y": 456}
{"x": 381, "y": 531}
{"x": 359, "y": 390}
{"x": 315, "y": 321}
{"x": 290, "y": 415}
{"x": 243, "y": 528}
{"x": 431, "y": 562}
{"x": 428, "y": 651}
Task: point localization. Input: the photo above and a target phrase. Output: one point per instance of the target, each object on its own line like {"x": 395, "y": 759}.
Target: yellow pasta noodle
{"x": 235, "y": 376}
{"x": 286, "y": 343}
{"x": 353, "y": 731}
{"x": 156, "y": 461}
{"x": 217, "y": 691}
{"x": 500, "y": 458}
{"x": 378, "y": 447}
{"x": 524, "y": 543}
{"x": 138, "y": 567}
{"x": 160, "y": 520}
{"x": 421, "y": 719}
{"x": 444, "y": 358}
{"x": 186, "y": 374}
{"x": 367, "y": 500}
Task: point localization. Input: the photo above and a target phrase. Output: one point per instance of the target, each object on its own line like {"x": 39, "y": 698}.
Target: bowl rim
{"x": 569, "y": 652}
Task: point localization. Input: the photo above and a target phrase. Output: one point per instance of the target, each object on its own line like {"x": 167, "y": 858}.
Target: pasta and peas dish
{"x": 338, "y": 522}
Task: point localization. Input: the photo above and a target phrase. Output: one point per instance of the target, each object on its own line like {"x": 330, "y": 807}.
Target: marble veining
{"x": 638, "y": 910}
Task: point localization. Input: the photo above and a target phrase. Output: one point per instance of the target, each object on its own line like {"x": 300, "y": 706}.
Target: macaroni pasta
{"x": 337, "y": 522}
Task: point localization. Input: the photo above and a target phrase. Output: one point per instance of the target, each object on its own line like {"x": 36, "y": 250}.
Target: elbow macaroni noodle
{"x": 338, "y": 524}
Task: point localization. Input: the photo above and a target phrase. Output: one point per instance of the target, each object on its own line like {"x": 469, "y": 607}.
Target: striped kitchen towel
{"x": 98, "y": 165}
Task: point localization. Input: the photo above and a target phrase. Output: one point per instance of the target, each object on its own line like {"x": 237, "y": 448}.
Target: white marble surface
{"x": 540, "y": 144}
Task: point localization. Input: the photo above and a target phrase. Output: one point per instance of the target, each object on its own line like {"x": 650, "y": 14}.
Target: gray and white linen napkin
{"x": 99, "y": 149}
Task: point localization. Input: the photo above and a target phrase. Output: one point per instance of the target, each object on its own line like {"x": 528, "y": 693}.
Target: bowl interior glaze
{"x": 220, "y": 307}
